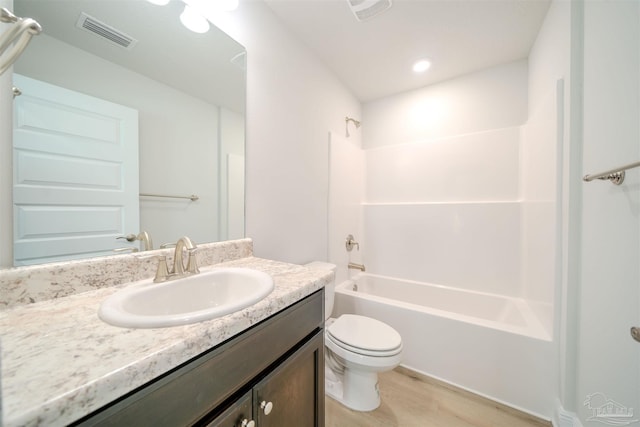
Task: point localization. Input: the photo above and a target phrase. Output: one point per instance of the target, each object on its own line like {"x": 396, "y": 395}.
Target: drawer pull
{"x": 247, "y": 423}
{"x": 266, "y": 407}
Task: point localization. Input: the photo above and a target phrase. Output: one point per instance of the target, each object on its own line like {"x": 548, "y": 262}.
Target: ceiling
{"x": 374, "y": 58}
{"x": 165, "y": 50}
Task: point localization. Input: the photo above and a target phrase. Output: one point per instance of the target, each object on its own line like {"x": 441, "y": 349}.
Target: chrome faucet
{"x": 356, "y": 266}
{"x": 145, "y": 238}
{"x": 178, "y": 264}
{"x": 164, "y": 273}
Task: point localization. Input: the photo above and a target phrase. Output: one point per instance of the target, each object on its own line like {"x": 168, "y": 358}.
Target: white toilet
{"x": 356, "y": 349}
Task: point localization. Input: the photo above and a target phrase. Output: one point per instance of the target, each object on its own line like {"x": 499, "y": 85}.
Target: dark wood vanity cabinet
{"x": 240, "y": 414}
{"x": 270, "y": 375}
{"x": 287, "y": 396}
{"x": 291, "y": 389}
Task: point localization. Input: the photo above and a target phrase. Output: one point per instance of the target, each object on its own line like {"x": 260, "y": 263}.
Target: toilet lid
{"x": 364, "y": 333}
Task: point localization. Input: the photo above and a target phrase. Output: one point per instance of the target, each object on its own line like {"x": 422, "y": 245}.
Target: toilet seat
{"x": 365, "y": 336}
{"x": 361, "y": 351}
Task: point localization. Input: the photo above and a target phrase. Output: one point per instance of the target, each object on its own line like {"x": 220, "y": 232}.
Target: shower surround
{"x": 459, "y": 191}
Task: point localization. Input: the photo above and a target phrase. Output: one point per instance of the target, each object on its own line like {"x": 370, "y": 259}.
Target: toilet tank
{"x": 329, "y": 289}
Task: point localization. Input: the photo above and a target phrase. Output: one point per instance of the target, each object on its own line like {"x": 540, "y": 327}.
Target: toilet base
{"x": 332, "y": 386}
{"x": 355, "y": 390}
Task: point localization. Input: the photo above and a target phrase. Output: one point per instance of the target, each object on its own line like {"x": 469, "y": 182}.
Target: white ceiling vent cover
{"x": 367, "y": 9}
{"x": 92, "y": 25}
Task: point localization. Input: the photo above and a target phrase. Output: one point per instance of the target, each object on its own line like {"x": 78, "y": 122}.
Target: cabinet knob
{"x": 247, "y": 423}
{"x": 266, "y": 407}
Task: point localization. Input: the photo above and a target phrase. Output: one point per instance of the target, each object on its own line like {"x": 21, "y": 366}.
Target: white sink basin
{"x": 191, "y": 299}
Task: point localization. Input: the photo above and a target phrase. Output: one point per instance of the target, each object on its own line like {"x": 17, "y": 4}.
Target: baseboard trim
{"x": 564, "y": 418}
{"x": 518, "y": 412}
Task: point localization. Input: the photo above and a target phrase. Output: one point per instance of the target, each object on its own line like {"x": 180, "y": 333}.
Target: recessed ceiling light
{"x": 421, "y": 66}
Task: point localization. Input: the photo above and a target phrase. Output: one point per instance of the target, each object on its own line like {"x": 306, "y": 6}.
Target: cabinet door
{"x": 293, "y": 394}
{"x": 236, "y": 415}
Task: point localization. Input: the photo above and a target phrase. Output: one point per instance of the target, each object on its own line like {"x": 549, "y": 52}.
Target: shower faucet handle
{"x": 350, "y": 243}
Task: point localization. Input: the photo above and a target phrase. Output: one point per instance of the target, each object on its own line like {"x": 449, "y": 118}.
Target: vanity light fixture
{"x": 421, "y": 66}
{"x": 195, "y": 12}
{"x": 228, "y": 5}
{"x": 193, "y": 20}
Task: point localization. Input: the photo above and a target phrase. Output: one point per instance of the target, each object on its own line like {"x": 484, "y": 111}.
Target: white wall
{"x": 608, "y": 359}
{"x": 472, "y": 246}
{"x": 542, "y": 140}
{"x": 539, "y": 173}
{"x": 545, "y": 137}
{"x": 445, "y": 211}
{"x": 293, "y": 101}
{"x": 481, "y": 166}
{"x": 442, "y": 188}
{"x": 494, "y": 98}
{"x": 231, "y": 172}
{"x": 346, "y": 193}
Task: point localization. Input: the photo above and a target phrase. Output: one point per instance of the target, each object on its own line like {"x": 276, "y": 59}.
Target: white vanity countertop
{"x": 60, "y": 362}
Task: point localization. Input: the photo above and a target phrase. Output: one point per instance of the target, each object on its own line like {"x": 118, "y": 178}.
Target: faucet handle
{"x": 192, "y": 262}
{"x": 146, "y": 240}
{"x": 350, "y": 243}
{"x": 162, "y": 273}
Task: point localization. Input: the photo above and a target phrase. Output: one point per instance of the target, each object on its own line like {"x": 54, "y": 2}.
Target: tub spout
{"x": 356, "y": 266}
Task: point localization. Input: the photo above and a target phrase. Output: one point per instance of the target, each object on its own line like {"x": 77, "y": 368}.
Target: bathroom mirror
{"x": 189, "y": 93}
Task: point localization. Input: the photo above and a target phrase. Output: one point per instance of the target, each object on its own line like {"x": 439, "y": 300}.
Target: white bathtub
{"x": 492, "y": 345}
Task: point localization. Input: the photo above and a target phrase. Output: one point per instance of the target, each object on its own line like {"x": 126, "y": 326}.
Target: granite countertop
{"x": 60, "y": 361}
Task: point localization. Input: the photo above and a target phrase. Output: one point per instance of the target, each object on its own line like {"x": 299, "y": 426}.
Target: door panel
{"x": 75, "y": 174}
{"x": 295, "y": 390}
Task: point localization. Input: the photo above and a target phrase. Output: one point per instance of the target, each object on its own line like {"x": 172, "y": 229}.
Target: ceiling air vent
{"x": 91, "y": 24}
{"x": 367, "y": 9}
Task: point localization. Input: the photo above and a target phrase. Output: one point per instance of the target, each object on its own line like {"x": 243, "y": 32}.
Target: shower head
{"x": 354, "y": 121}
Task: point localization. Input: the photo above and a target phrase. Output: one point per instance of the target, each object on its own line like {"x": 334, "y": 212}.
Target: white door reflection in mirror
{"x": 75, "y": 174}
